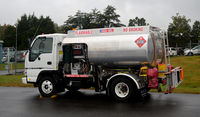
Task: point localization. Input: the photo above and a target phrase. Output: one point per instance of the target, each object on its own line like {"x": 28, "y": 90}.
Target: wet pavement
{"x": 26, "y": 102}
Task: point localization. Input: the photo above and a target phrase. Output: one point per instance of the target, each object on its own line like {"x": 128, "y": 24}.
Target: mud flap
{"x": 143, "y": 92}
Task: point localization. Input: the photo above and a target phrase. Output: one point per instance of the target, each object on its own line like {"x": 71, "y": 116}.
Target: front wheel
{"x": 122, "y": 89}
{"x": 47, "y": 87}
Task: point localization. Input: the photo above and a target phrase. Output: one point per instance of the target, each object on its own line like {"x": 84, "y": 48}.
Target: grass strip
{"x": 13, "y": 81}
{"x": 19, "y": 66}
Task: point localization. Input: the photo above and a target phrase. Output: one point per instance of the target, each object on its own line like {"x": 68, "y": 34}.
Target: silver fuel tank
{"x": 119, "y": 48}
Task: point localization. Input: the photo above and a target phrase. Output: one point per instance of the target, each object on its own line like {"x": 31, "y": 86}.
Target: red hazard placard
{"x": 140, "y": 41}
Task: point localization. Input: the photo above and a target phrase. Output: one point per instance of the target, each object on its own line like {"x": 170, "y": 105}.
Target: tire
{"x": 47, "y": 87}
{"x": 122, "y": 89}
{"x": 190, "y": 54}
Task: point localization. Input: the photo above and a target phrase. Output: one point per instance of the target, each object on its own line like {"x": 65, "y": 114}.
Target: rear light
{"x": 182, "y": 74}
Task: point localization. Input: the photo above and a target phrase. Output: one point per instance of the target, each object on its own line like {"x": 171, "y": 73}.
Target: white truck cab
{"x": 43, "y": 55}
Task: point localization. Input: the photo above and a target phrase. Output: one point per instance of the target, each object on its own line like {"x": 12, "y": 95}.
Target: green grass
{"x": 19, "y": 66}
{"x": 13, "y": 81}
{"x": 191, "y": 66}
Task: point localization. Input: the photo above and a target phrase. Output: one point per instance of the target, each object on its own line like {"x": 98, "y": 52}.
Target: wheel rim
{"x": 47, "y": 87}
{"x": 121, "y": 89}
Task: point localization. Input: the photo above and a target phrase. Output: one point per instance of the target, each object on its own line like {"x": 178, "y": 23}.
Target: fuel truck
{"x": 125, "y": 62}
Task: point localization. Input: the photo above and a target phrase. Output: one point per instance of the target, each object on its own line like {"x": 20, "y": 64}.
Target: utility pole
{"x": 8, "y": 55}
{"x": 16, "y": 51}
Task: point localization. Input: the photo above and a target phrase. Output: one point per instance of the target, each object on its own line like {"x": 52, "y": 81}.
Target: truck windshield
{"x": 41, "y": 45}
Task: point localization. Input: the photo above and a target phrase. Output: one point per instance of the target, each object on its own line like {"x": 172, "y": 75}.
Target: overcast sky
{"x": 156, "y": 12}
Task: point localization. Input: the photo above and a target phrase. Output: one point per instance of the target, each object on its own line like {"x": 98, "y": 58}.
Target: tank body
{"x": 119, "y": 50}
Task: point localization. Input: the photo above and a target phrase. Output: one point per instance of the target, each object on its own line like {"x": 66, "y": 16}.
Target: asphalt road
{"x": 26, "y": 102}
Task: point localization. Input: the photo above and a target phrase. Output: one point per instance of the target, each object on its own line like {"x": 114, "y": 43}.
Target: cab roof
{"x": 52, "y": 35}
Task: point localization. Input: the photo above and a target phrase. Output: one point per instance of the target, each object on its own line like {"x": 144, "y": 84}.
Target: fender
{"x": 133, "y": 77}
{"x": 52, "y": 73}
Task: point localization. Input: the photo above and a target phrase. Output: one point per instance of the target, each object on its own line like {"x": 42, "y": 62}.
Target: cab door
{"x": 40, "y": 57}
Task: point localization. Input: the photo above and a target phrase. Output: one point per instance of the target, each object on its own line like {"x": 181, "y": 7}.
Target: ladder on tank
{"x": 167, "y": 62}
{"x": 166, "y": 44}
{"x": 174, "y": 76}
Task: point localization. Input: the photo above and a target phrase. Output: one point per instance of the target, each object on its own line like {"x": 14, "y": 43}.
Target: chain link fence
{"x": 12, "y": 61}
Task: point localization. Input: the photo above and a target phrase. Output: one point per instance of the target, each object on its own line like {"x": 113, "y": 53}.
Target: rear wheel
{"x": 47, "y": 87}
{"x": 122, "y": 89}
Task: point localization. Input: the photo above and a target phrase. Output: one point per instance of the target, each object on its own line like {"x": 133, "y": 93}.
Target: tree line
{"x": 25, "y": 30}
{"x": 180, "y": 32}
{"x": 28, "y": 26}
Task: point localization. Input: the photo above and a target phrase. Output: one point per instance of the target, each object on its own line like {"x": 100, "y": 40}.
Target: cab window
{"x": 41, "y": 45}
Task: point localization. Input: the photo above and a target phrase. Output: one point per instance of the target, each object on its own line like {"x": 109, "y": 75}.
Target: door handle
{"x": 49, "y": 63}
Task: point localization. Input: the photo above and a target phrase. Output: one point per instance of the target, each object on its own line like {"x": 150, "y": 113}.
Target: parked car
{"x": 172, "y": 51}
{"x": 193, "y": 51}
{"x": 186, "y": 49}
{"x": 20, "y": 55}
{"x": 11, "y": 54}
{"x": 4, "y": 59}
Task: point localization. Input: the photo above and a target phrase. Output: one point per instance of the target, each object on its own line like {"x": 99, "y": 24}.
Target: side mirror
{"x": 59, "y": 43}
